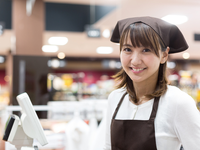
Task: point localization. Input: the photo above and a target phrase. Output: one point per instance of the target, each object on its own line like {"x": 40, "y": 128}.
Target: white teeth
{"x": 137, "y": 69}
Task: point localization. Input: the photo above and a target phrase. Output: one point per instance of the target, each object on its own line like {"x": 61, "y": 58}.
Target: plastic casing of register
{"x": 29, "y": 119}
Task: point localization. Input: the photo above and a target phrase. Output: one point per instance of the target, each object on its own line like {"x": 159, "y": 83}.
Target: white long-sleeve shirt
{"x": 177, "y": 121}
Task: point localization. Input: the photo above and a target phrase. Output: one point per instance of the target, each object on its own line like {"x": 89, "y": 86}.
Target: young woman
{"x": 144, "y": 113}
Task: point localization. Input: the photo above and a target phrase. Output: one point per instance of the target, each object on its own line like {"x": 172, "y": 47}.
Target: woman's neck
{"x": 144, "y": 88}
{"x": 141, "y": 91}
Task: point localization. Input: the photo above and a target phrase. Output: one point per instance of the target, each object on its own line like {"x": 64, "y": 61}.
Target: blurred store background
{"x": 58, "y": 51}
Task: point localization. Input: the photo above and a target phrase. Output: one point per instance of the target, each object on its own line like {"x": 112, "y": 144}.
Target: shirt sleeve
{"x": 187, "y": 123}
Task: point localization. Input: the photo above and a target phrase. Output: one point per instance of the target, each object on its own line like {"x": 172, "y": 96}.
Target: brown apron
{"x": 134, "y": 134}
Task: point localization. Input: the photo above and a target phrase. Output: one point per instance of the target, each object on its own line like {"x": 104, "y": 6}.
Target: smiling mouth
{"x": 137, "y": 69}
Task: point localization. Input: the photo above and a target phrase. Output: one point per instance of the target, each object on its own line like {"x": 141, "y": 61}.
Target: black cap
{"x": 169, "y": 33}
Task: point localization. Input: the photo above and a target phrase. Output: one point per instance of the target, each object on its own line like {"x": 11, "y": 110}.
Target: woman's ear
{"x": 165, "y": 56}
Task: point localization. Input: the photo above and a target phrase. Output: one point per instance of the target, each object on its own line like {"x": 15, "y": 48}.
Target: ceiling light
{"x": 118, "y": 65}
{"x": 50, "y": 48}
{"x": 62, "y": 63}
{"x": 175, "y": 19}
{"x": 55, "y": 63}
{"x": 93, "y": 32}
{"x": 58, "y": 40}
{"x": 186, "y": 55}
{"x": 2, "y": 59}
{"x": 104, "y": 50}
{"x": 61, "y": 55}
{"x": 106, "y": 33}
{"x": 112, "y": 64}
{"x": 2, "y": 26}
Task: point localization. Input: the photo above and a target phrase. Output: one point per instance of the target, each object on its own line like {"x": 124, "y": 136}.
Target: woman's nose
{"x": 136, "y": 59}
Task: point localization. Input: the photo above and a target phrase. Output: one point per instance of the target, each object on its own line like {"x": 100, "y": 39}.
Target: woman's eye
{"x": 127, "y": 49}
{"x": 146, "y": 50}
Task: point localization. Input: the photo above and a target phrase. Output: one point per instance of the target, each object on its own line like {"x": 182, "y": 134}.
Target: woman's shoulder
{"x": 119, "y": 91}
{"x": 176, "y": 95}
{"x": 175, "y": 91}
{"x": 116, "y": 95}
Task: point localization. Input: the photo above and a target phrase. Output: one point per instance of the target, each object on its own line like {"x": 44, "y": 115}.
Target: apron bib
{"x": 134, "y": 134}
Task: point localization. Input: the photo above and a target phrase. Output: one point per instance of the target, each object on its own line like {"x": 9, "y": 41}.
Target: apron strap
{"x": 155, "y": 108}
{"x": 120, "y": 102}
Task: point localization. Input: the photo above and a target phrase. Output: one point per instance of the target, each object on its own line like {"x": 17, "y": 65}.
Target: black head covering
{"x": 169, "y": 33}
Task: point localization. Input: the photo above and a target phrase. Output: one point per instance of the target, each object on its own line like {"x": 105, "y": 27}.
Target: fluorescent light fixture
{"x": 118, "y": 65}
{"x": 186, "y": 55}
{"x": 92, "y": 32}
{"x": 2, "y": 26}
{"x": 50, "y": 48}
{"x": 2, "y": 59}
{"x": 62, "y": 63}
{"x": 175, "y": 19}
{"x": 112, "y": 64}
{"x": 104, "y": 50}
{"x": 106, "y": 33}
{"x": 55, "y": 63}
{"x": 61, "y": 55}
{"x": 58, "y": 40}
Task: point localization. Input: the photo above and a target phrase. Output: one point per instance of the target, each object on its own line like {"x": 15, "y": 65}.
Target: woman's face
{"x": 140, "y": 63}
